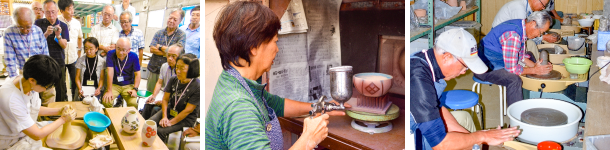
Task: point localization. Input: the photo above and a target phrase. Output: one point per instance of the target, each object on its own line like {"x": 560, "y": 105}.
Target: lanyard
{"x": 429, "y": 64}
{"x": 119, "y": 64}
{"x": 94, "y": 65}
{"x": 170, "y": 40}
{"x": 187, "y": 86}
{"x": 26, "y": 43}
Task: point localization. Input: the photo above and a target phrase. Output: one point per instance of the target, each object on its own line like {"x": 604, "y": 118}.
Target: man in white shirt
{"x": 120, "y": 8}
{"x": 136, "y": 36}
{"x": 106, "y": 33}
{"x": 74, "y": 49}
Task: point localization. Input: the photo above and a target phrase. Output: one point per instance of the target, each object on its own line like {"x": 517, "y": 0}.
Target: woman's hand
{"x": 338, "y": 112}
{"x": 98, "y": 92}
{"x": 164, "y": 122}
{"x": 69, "y": 116}
{"x": 190, "y": 132}
{"x": 151, "y": 99}
{"x": 316, "y": 130}
{"x": 81, "y": 93}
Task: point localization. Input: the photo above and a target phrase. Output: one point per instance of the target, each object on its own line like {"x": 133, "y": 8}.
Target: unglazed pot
{"x": 372, "y": 84}
{"x": 452, "y": 3}
{"x": 149, "y": 133}
{"x": 130, "y": 122}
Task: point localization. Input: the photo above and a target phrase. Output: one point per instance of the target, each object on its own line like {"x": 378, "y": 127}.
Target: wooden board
{"x": 81, "y": 109}
{"x": 125, "y": 141}
{"x": 90, "y": 135}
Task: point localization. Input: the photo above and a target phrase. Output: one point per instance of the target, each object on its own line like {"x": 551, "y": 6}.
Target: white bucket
{"x": 534, "y": 134}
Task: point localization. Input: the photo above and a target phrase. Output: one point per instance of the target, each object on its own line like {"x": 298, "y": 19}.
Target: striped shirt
{"x": 163, "y": 39}
{"x": 137, "y": 39}
{"x": 233, "y": 120}
{"x": 513, "y": 52}
{"x": 18, "y": 47}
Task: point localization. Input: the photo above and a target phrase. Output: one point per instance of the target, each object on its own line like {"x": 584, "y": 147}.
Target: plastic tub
{"x": 534, "y": 134}
{"x": 598, "y": 142}
{"x": 577, "y": 65}
{"x": 96, "y": 121}
{"x": 472, "y": 27}
{"x": 586, "y": 22}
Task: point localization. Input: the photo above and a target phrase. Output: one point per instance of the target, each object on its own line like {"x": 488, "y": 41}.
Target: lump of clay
{"x": 87, "y": 100}
{"x": 100, "y": 141}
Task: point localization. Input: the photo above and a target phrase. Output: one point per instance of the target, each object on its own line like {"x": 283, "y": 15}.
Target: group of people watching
{"x": 41, "y": 45}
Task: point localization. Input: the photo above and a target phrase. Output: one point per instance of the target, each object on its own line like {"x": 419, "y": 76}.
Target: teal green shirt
{"x": 233, "y": 120}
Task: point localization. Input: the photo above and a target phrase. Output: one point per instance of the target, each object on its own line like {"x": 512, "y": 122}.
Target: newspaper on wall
{"x": 302, "y": 63}
{"x": 293, "y": 20}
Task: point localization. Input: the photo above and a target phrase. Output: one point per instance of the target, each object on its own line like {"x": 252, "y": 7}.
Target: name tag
{"x": 26, "y": 59}
{"x": 172, "y": 112}
{"x": 119, "y": 78}
{"x": 90, "y": 82}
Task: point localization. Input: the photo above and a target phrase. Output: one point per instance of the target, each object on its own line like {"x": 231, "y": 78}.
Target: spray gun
{"x": 322, "y": 107}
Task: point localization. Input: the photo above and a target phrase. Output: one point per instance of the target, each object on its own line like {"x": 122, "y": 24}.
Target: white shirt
{"x": 105, "y": 35}
{"x": 165, "y": 74}
{"x": 516, "y": 9}
{"x": 18, "y": 112}
{"x": 75, "y": 32}
{"x": 118, "y": 9}
{"x": 550, "y": 6}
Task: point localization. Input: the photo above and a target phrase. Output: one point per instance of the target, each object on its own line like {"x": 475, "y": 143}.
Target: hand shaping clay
{"x": 67, "y": 137}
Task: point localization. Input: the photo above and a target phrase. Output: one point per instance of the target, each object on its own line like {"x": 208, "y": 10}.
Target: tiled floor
{"x": 489, "y": 99}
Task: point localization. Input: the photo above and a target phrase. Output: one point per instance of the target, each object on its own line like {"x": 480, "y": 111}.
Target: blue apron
{"x": 272, "y": 127}
{"x": 420, "y": 141}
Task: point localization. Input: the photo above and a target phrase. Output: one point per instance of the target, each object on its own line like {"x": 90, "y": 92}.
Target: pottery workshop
{"x": 510, "y": 74}
{"x": 305, "y": 74}
{"x": 60, "y": 88}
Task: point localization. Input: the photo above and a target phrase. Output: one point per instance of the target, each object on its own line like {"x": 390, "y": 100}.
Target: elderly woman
{"x": 90, "y": 68}
{"x": 242, "y": 115}
{"x": 181, "y": 98}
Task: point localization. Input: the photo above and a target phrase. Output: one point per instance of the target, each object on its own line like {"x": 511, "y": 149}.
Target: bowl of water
{"x": 577, "y": 65}
{"x": 96, "y": 121}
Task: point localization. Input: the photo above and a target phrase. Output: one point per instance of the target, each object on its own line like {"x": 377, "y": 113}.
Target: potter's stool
{"x": 476, "y": 87}
{"x": 462, "y": 99}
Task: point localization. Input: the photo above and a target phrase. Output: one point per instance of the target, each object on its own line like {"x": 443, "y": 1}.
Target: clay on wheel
{"x": 67, "y": 137}
{"x": 544, "y": 117}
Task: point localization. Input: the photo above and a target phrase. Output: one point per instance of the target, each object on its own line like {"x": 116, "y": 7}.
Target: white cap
{"x": 463, "y": 45}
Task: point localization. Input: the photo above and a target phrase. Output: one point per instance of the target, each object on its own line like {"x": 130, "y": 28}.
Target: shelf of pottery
{"x": 430, "y": 24}
{"x": 5, "y": 15}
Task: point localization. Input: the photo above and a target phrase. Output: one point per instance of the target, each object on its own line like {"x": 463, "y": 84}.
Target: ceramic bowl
{"x": 96, "y": 121}
{"x": 372, "y": 84}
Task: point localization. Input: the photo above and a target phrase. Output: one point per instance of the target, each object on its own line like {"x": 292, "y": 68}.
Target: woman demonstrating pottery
{"x": 181, "y": 98}
{"x": 242, "y": 115}
{"x": 20, "y": 105}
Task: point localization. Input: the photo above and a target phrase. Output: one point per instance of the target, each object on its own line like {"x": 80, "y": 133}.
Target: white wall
{"x": 213, "y": 67}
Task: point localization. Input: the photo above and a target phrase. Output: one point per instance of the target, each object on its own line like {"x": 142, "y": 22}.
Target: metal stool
{"x": 462, "y": 99}
{"x": 476, "y": 87}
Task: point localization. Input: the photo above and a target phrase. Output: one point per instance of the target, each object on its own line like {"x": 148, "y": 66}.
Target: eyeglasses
{"x": 462, "y": 64}
{"x": 50, "y": 12}
{"x": 543, "y": 5}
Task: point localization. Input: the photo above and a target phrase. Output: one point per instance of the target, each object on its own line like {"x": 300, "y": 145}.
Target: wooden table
{"x": 125, "y": 141}
{"x": 81, "y": 109}
{"x": 341, "y": 135}
{"x": 598, "y": 105}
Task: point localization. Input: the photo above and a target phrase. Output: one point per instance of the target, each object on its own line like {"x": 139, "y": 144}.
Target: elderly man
{"x": 135, "y": 35}
{"x": 58, "y": 36}
{"x": 160, "y": 42}
{"x": 168, "y": 70}
{"x": 119, "y": 9}
{"x": 37, "y": 7}
{"x": 454, "y": 52}
{"x": 504, "y": 47}
{"x": 22, "y": 41}
{"x": 520, "y": 9}
{"x": 123, "y": 74}
{"x": 75, "y": 46}
{"x": 106, "y": 33}
{"x": 192, "y": 34}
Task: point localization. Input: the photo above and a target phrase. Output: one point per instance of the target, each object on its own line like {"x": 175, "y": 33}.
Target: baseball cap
{"x": 463, "y": 45}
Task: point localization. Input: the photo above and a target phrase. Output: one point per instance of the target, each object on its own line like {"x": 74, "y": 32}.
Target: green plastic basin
{"x": 577, "y": 65}
{"x": 142, "y": 93}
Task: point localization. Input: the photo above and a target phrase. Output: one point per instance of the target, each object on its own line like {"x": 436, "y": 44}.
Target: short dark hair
{"x": 195, "y": 9}
{"x": 93, "y": 41}
{"x": 242, "y": 26}
{"x": 43, "y": 68}
{"x": 193, "y": 62}
{"x": 63, "y": 4}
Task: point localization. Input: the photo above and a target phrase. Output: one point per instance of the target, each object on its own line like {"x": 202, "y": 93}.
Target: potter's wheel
{"x": 553, "y": 75}
{"x": 544, "y": 117}
{"x": 371, "y": 127}
{"x": 73, "y": 140}
{"x": 373, "y": 123}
